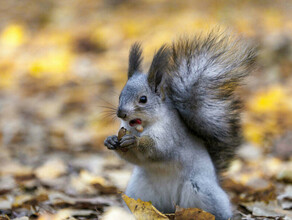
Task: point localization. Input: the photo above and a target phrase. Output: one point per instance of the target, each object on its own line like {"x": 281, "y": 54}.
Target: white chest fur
{"x": 164, "y": 189}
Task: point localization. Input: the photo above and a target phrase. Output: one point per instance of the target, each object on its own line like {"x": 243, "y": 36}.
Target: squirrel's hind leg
{"x": 206, "y": 194}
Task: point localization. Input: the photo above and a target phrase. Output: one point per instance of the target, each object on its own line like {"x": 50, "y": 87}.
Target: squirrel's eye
{"x": 143, "y": 99}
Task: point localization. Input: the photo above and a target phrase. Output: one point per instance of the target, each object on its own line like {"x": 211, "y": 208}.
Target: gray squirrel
{"x": 189, "y": 112}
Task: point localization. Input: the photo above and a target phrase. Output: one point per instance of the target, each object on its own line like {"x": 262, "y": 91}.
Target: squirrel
{"x": 189, "y": 113}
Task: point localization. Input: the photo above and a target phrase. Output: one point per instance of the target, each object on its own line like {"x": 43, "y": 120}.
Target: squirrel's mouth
{"x": 134, "y": 122}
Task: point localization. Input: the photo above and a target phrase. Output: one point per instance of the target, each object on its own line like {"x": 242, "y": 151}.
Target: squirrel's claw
{"x": 111, "y": 142}
{"x": 128, "y": 141}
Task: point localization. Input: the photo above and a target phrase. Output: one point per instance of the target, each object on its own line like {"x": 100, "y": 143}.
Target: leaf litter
{"x": 56, "y": 105}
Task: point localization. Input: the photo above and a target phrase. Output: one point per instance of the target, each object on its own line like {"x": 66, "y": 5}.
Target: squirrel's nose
{"x": 121, "y": 113}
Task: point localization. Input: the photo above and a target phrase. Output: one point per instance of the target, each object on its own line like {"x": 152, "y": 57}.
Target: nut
{"x": 139, "y": 128}
{"x": 122, "y": 133}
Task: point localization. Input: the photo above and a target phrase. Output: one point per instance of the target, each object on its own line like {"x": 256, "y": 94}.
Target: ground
{"x": 63, "y": 63}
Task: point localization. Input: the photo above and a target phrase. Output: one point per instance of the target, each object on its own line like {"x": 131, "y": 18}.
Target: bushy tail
{"x": 204, "y": 73}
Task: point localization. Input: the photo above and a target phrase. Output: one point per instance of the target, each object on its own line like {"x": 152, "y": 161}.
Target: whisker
{"x": 115, "y": 93}
{"x": 107, "y": 108}
{"x": 108, "y": 116}
{"x": 114, "y": 118}
{"x": 108, "y": 112}
{"x": 108, "y": 103}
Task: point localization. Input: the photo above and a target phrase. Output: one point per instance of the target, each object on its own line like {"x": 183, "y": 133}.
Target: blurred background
{"x": 61, "y": 62}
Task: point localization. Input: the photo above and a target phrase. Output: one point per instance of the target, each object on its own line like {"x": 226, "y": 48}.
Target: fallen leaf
{"x": 286, "y": 205}
{"x": 285, "y": 175}
{"x": 7, "y": 183}
{"x": 256, "y": 190}
{"x": 28, "y": 200}
{"x": 13, "y": 35}
{"x": 51, "y": 169}
{"x": 98, "y": 182}
{"x": 69, "y": 214}
{"x": 192, "y": 213}
{"x": 287, "y": 194}
{"x": 143, "y": 210}
{"x": 6, "y": 202}
{"x": 285, "y": 199}
{"x": 271, "y": 209}
{"x": 15, "y": 169}
{"x": 114, "y": 213}
{"x": 57, "y": 198}
{"x": 21, "y": 218}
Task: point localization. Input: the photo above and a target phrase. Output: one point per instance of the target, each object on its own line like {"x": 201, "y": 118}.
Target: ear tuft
{"x": 159, "y": 66}
{"x": 135, "y": 59}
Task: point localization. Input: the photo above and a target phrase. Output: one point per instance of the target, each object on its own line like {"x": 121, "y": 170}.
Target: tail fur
{"x": 204, "y": 73}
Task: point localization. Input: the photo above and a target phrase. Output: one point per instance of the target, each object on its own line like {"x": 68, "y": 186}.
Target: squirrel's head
{"x": 142, "y": 95}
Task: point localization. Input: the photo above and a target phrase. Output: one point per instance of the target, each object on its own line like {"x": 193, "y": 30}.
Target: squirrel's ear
{"x": 158, "y": 67}
{"x": 135, "y": 59}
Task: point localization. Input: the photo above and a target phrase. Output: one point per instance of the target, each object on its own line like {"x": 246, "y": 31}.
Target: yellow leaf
{"x": 268, "y": 115}
{"x": 55, "y": 65}
{"x": 271, "y": 100}
{"x": 54, "y": 62}
{"x": 253, "y": 133}
{"x": 143, "y": 210}
{"x": 13, "y": 35}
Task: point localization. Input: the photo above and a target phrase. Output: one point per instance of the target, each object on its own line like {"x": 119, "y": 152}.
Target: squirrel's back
{"x": 203, "y": 75}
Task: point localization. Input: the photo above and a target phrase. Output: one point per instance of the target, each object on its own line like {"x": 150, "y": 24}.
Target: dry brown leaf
{"x": 29, "y": 200}
{"x": 100, "y": 183}
{"x": 143, "y": 210}
{"x": 192, "y": 213}
{"x": 257, "y": 190}
{"x": 271, "y": 209}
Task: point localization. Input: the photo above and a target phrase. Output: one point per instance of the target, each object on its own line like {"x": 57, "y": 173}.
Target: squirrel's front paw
{"x": 112, "y": 142}
{"x": 129, "y": 141}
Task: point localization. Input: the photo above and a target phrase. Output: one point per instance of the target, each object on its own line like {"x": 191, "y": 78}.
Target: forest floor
{"x": 61, "y": 62}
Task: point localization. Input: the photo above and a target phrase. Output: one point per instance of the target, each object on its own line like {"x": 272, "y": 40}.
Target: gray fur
{"x": 196, "y": 118}
{"x": 204, "y": 73}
